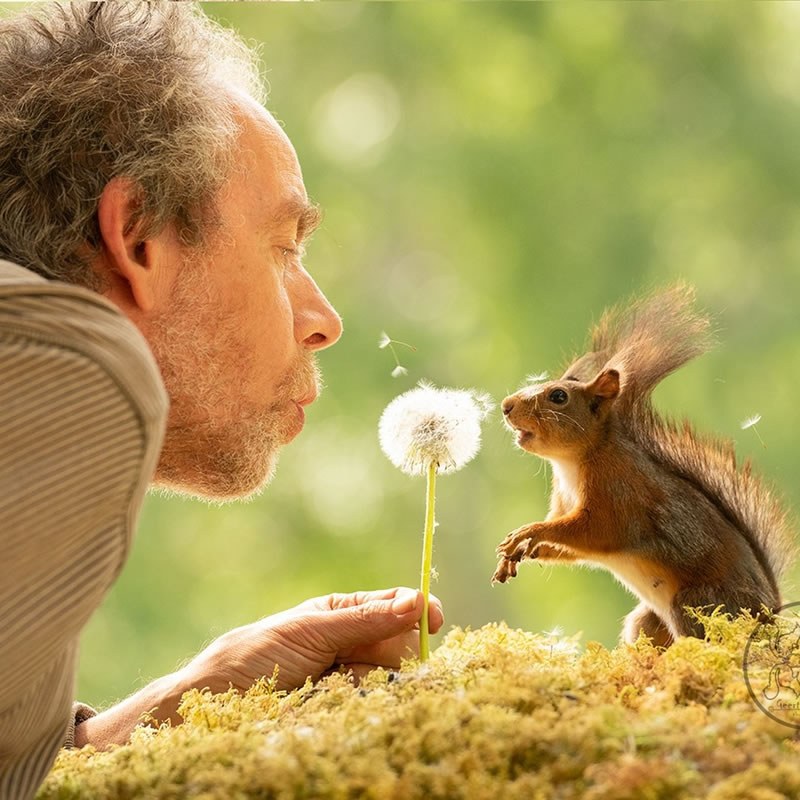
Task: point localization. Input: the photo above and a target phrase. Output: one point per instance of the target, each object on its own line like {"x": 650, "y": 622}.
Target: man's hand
{"x": 361, "y": 631}
{"x": 364, "y": 629}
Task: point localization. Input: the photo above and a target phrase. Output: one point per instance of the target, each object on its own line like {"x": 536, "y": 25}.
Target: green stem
{"x": 427, "y": 558}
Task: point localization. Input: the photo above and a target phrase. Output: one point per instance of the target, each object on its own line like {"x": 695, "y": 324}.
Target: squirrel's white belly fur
{"x": 634, "y": 574}
{"x": 567, "y": 478}
{"x": 653, "y": 589}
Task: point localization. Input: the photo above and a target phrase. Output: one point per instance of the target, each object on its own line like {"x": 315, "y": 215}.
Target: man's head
{"x": 131, "y": 163}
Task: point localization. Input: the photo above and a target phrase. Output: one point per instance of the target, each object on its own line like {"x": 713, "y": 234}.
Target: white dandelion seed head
{"x": 384, "y": 341}
{"x": 398, "y": 371}
{"x": 428, "y": 425}
{"x": 750, "y": 421}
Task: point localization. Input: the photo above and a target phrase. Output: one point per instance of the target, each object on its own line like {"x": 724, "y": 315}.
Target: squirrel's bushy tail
{"x": 648, "y": 339}
{"x": 645, "y": 341}
{"x": 710, "y": 465}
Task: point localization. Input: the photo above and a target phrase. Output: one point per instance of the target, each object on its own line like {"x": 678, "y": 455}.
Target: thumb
{"x": 373, "y": 620}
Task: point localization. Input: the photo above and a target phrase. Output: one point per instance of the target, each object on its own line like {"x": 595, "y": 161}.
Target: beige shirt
{"x": 82, "y": 416}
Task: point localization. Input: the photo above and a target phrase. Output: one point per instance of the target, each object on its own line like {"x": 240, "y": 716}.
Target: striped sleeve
{"x": 80, "y": 713}
{"x": 82, "y": 414}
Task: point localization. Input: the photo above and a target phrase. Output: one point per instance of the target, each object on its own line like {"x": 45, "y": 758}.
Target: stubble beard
{"x": 217, "y": 447}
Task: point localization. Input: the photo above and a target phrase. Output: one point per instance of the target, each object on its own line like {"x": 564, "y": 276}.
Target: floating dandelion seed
{"x": 386, "y": 341}
{"x": 423, "y": 431}
{"x": 751, "y": 422}
{"x": 539, "y": 378}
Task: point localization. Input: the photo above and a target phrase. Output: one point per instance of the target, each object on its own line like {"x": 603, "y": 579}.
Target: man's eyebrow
{"x": 307, "y": 214}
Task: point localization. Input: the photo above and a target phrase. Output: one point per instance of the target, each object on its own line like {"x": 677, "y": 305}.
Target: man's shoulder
{"x": 12, "y": 274}
{"x": 72, "y": 319}
{"x": 19, "y": 281}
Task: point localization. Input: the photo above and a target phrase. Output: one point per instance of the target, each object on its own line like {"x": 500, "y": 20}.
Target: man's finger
{"x": 336, "y": 601}
{"x": 370, "y": 622}
{"x": 388, "y": 653}
{"x": 435, "y": 614}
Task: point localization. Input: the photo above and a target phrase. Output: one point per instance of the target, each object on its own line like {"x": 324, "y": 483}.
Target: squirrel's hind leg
{"x": 709, "y": 598}
{"x": 643, "y": 618}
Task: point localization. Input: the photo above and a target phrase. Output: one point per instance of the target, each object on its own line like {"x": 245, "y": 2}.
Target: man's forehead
{"x": 261, "y": 135}
{"x": 269, "y": 160}
{"x": 267, "y": 142}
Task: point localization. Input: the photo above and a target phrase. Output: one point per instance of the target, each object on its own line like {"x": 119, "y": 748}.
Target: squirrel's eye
{"x": 557, "y": 396}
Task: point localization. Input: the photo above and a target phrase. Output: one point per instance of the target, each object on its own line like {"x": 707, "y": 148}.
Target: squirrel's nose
{"x": 508, "y": 404}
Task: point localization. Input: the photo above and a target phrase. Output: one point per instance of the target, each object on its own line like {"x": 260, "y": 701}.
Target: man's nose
{"x": 316, "y": 323}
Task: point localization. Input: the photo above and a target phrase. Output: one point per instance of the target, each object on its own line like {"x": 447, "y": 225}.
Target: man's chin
{"x": 242, "y": 481}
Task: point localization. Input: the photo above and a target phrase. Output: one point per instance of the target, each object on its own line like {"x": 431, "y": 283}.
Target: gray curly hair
{"x": 94, "y": 91}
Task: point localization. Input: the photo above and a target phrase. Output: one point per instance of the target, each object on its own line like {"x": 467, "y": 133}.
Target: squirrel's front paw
{"x": 517, "y": 543}
{"x": 506, "y": 568}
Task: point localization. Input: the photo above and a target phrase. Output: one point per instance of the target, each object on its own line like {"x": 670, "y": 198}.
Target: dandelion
{"x": 428, "y": 425}
{"x": 386, "y": 341}
{"x": 751, "y": 422}
{"x": 425, "y": 431}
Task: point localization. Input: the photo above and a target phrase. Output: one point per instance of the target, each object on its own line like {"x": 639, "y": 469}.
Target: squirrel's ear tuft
{"x": 604, "y": 388}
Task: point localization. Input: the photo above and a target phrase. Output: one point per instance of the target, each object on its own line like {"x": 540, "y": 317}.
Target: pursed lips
{"x": 301, "y": 414}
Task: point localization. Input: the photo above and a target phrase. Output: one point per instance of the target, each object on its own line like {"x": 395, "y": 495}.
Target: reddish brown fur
{"x": 663, "y": 508}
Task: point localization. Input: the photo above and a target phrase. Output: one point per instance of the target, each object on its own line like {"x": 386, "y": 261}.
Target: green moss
{"x": 494, "y": 713}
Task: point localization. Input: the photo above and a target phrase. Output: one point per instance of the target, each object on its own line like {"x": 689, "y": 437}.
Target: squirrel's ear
{"x": 604, "y": 388}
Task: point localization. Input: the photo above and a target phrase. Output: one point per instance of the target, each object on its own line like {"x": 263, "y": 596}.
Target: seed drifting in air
{"x": 386, "y": 341}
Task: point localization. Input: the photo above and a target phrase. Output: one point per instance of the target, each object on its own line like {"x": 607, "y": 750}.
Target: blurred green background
{"x": 493, "y": 175}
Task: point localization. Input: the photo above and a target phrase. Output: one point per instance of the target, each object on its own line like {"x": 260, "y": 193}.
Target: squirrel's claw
{"x": 514, "y": 542}
{"x": 519, "y": 544}
{"x": 505, "y": 569}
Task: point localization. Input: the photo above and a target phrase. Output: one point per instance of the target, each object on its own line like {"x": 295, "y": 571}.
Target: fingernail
{"x": 404, "y": 601}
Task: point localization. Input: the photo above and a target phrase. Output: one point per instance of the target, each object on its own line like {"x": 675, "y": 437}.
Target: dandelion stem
{"x": 427, "y": 558}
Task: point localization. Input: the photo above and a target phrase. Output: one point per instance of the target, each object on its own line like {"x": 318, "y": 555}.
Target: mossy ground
{"x": 496, "y": 713}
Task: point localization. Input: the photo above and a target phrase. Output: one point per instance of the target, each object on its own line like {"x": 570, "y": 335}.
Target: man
{"x": 152, "y": 219}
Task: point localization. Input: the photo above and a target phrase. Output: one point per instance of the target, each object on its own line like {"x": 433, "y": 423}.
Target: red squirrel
{"x": 663, "y": 508}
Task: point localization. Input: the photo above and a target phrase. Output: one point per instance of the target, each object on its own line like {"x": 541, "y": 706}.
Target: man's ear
{"x": 129, "y": 257}
{"x": 603, "y": 389}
